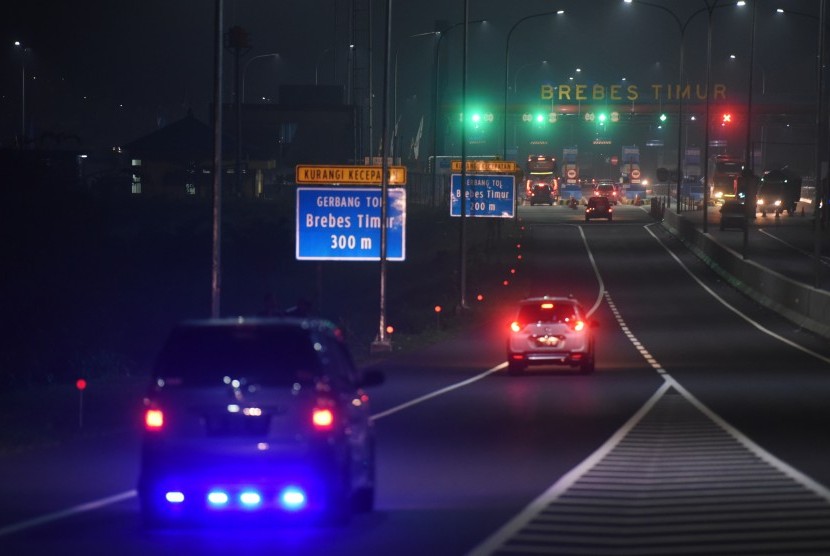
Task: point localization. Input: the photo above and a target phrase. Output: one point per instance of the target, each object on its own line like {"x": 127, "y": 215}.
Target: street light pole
{"x": 507, "y": 71}
{"x": 435, "y": 64}
{"x": 395, "y": 96}
{"x": 216, "y": 263}
{"x": 23, "y": 51}
{"x": 248, "y": 63}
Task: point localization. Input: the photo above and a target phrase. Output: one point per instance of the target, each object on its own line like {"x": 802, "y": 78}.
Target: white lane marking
{"x": 495, "y": 541}
{"x": 600, "y": 283}
{"x": 437, "y": 393}
{"x": 567, "y": 480}
{"x": 822, "y": 259}
{"x": 762, "y": 454}
{"x": 735, "y": 310}
{"x": 89, "y": 506}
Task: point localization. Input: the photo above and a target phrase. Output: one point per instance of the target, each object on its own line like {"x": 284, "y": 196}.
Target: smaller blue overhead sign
{"x": 487, "y": 196}
{"x": 343, "y": 223}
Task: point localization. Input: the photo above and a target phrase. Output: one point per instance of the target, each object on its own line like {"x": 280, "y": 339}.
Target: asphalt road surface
{"x": 702, "y": 431}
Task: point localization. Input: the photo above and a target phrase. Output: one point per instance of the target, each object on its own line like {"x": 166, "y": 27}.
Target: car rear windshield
{"x": 269, "y": 356}
{"x": 546, "y": 312}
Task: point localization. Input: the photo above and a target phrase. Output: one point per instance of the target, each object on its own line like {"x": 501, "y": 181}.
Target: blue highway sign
{"x": 343, "y": 223}
{"x": 487, "y": 195}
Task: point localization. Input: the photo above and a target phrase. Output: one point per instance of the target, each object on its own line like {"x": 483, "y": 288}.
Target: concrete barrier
{"x": 804, "y": 305}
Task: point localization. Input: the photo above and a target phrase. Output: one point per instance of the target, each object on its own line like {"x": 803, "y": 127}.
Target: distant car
{"x": 607, "y": 189}
{"x": 550, "y": 331}
{"x": 733, "y": 214}
{"x": 598, "y": 207}
{"x": 263, "y": 415}
{"x": 541, "y": 193}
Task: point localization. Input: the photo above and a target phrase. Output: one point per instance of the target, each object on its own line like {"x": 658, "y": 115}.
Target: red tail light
{"x": 578, "y": 325}
{"x": 153, "y": 419}
{"x": 322, "y": 418}
{"x": 516, "y": 326}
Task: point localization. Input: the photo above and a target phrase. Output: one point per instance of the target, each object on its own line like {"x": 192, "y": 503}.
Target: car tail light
{"x": 322, "y": 416}
{"x": 153, "y": 419}
{"x": 577, "y": 325}
{"x": 516, "y": 326}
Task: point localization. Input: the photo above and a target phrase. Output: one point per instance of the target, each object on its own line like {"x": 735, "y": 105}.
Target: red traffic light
{"x": 726, "y": 119}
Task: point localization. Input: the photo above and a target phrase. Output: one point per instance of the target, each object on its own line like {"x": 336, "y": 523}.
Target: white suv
{"x": 550, "y": 331}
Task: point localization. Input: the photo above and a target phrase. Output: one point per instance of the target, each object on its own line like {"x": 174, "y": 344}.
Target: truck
{"x": 724, "y": 170}
{"x": 778, "y": 191}
{"x": 633, "y": 184}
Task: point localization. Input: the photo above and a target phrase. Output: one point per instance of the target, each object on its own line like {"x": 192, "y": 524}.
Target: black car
{"x": 541, "y": 193}
{"x": 252, "y": 416}
{"x": 598, "y": 207}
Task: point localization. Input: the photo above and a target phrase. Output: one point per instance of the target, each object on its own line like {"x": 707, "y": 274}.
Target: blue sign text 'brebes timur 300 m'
{"x": 487, "y": 196}
{"x": 344, "y": 223}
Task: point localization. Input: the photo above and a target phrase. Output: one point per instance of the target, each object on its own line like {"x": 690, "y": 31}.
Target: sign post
{"x": 80, "y": 384}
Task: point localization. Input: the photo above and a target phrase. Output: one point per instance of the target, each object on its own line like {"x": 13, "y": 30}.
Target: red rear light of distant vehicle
{"x": 515, "y": 326}
{"x": 153, "y": 420}
{"x": 322, "y": 418}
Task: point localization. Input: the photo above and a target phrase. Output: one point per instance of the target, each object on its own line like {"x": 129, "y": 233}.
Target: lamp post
{"x": 23, "y": 51}
{"x": 821, "y": 132}
{"x": 441, "y": 35}
{"x": 507, "y": 69}
{"x": 682, "y": 26}
{"x": 248, "y": 63}
{"x": 395, "y": 96}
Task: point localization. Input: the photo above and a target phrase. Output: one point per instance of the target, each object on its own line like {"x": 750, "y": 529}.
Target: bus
{"x": 542, "y": 168}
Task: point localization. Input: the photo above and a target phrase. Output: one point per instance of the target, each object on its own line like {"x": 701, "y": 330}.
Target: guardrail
{"x": 804, "y": 305}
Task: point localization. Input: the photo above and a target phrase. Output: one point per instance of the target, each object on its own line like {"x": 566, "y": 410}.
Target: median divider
{"x": 807, "y": 306}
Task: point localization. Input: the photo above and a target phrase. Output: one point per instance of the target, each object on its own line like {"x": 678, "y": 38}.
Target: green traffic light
{"x": 540, "y": 118}
{"x": 602, "y": 118}
{"x": 476, "y": 118}
{"x": 662, "y": 117}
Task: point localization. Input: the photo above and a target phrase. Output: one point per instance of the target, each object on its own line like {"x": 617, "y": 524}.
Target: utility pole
{"x": 239, "y": 42}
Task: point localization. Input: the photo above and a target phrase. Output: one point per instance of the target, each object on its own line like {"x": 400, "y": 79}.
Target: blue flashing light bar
{"x": 218, "y": 498}
{"x": 292, "y": 498}
{"x": 174, "y": 497}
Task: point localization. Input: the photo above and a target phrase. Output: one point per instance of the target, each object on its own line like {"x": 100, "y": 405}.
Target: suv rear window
{"x": 268, "y": 356}
{"x": 546, "y": 312}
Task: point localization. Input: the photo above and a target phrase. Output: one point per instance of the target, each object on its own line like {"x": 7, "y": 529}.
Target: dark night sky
{"x": 140, "y": 64}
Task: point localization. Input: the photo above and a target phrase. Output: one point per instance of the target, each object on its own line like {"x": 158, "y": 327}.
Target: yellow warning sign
{"x": 486, "y": 166}
{"x": 348, "y": 175}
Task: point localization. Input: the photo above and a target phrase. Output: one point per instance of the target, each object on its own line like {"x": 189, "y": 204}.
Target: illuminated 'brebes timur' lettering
{"x": 659, "y": 91}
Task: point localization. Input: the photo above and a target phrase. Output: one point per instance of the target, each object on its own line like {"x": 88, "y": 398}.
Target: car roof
{"x": 544, "y": 298}
{"x": 307, "y": 323}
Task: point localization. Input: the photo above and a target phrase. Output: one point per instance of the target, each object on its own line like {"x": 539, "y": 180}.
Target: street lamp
{"x": 248, "y": 63}
{"x": 821, "y": 136}
{"x": 507, "y": 70}
{"x": 23, "y": 51}
{"x": 682, "y": 26}
{"x": 395, "y": 96}
{"x": 441, "y": 35}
